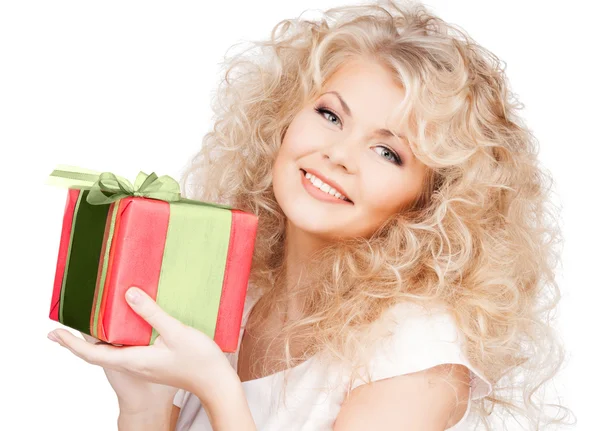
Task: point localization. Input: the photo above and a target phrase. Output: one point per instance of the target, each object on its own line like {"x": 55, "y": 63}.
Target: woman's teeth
{"x": 324, "y": 187}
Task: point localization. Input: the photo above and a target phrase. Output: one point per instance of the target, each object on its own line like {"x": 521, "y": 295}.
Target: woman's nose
{"x": 342, "y": 154}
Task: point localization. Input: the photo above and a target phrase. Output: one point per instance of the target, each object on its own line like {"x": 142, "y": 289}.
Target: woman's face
{"x": 336, "y": 138}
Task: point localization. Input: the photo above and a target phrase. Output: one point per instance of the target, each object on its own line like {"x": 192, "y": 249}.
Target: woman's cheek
{"x": 384, "y": 196}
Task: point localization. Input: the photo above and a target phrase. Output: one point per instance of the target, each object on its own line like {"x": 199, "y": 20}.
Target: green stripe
{"x": 193, "y": 266}
{"x": 77, "y": 295}
{"x": 66, "y": 271}
{"x": 105, "y": 259}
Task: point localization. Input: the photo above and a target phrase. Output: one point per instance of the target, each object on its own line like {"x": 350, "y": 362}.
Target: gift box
{"x": 193, "y": 258}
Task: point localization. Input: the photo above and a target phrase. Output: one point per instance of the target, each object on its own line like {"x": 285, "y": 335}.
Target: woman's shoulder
{"x": 412, "y": 337}
{"x": 409, "y": 321}
{"x": 412, "y": 322}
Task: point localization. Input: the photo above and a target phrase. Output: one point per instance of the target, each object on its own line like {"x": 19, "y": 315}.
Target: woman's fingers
{"x": 91, "y": 339}
{"x": 96, "y": 354}
{"x": 133, "y": 359}
{"x": 150, "y": 311}
{"x": 137, "y": 359}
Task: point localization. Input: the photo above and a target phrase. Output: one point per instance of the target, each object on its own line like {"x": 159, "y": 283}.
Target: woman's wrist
{"x": 142, "y": 408}
{"x": 156, "y": 418}
{"x": 225, "y": 403}
{"x": 209, "y": 388}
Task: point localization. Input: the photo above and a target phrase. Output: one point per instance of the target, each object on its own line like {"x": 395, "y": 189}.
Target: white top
{"x": 315, "y": 389}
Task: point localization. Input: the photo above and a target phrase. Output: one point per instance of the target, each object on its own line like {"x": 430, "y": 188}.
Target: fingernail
{"x": 133, "y": 295}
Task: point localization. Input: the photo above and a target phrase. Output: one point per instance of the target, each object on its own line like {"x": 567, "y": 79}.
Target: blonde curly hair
{"x": 482, "y": 238}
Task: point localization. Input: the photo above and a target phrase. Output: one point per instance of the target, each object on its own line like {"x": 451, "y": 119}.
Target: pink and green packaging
{"x": 193, "y": 258}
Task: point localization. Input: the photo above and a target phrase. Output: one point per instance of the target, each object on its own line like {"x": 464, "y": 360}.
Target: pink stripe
{"x": 63, "y": 251}
{"x": 235, "y": 282}
{"x": 137, "y": 251}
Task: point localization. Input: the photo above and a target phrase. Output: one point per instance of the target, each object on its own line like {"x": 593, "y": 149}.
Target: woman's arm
{"x": 433, "y": 399}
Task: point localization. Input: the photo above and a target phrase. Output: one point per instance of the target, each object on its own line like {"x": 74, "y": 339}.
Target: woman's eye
{"x": 324, "y": 112}
{"x": 390, "y": 155}
{"x": 387, "y": 153}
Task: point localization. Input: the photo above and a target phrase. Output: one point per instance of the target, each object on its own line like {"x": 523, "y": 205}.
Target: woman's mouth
{"x": 323, "y": 192}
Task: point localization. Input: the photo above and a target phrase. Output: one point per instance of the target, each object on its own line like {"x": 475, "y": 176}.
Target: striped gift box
{"x": 192, "y": 257}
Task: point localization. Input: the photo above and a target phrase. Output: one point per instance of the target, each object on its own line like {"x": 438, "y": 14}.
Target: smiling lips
{"x": 323, "y": 190}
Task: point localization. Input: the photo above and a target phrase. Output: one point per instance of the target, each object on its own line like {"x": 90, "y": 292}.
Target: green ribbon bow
{"x": 163, "y": 188}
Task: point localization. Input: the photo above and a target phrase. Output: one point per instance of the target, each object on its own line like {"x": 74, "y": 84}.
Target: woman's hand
{"x": 136, "y": 395}
{"x": 181, "y": 357}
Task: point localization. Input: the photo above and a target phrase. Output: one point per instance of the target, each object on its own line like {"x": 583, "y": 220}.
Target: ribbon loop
{"x": 106, "y": 187}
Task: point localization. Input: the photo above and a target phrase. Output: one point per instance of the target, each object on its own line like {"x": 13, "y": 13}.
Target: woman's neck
{"x": 299, "y": 247}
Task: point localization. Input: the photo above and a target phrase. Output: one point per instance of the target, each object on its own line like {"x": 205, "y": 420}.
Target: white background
{"x": 125, "y": 86}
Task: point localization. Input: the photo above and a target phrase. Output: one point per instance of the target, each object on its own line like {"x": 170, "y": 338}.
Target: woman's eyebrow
{"x": 345, "y": 106}
{"x": 379, "y": 132}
